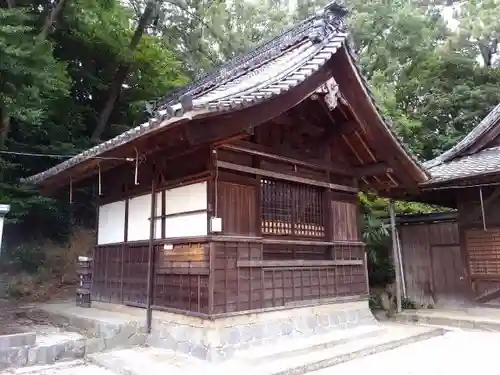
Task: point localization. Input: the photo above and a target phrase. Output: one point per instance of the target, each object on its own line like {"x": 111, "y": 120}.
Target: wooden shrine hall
{"x": 241, "y": 190}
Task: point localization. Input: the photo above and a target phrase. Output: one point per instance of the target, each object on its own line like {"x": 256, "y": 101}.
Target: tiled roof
{"x": 483, "y": 162}
{"x": 489, "y": 122}
{"x": 273, "y": 68}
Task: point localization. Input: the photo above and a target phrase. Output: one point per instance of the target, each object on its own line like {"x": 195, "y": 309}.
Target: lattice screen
{"x": 291, "y": 209}
{"x": 484, "y": 251}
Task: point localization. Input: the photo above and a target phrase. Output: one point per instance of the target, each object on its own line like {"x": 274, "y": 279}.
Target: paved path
{"x": 77, "y": 367}
{"x": 457, "y": 352}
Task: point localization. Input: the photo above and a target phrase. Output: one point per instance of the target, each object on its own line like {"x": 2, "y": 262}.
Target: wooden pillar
{"x": 395, "y": 255}
{"x": 151, "y": 256}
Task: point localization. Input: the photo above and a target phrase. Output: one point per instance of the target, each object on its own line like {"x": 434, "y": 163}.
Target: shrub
{"x": 408, "y": 304}
{"x": 374, "y": 303}
{"x": 27, "y": 257}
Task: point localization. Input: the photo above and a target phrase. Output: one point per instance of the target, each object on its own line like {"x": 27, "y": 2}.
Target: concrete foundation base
{"x": 218, "y": 340}
{"x": 110, "y": 326}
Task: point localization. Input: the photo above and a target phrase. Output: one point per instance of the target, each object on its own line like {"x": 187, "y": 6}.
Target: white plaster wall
{"x": 184, "y": 199}
{"x": 158, "y": 222}
{"x": 139, "y": 210}
{"x": 187, "y": 198}
{"x": 111, "y": 226}
{"x": 188, "y": 225}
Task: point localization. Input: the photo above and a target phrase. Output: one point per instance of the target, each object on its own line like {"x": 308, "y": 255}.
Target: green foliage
{"x": 374, "y": 303}
{"x": 52, "y": 91}
{"x": 27, "y": 257}
{"x": 475, "y": 37}
{"x": 30, "y": 76}
{"x": 375, "y": 234}
{"x": 408, "y": 304}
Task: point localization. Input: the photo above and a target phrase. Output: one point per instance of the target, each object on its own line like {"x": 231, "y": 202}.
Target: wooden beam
{"x": 283, "y": 119}
{"x": 366, "y": 114}
{"x": 312, "y": 242}
{"x": 269, "y": 153}
{"x": 373, "y": 169}
{"x": 487, "y": 202}
{"x": 220, "y": 126}
{"x": 282, "y": 176}
{"x": 298, "y": 263}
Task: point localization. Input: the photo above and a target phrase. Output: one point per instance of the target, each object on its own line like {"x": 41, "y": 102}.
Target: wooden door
{"x": 449, "y": 273}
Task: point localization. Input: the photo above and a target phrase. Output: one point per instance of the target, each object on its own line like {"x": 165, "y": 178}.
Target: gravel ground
{"x": 15, "y": 319}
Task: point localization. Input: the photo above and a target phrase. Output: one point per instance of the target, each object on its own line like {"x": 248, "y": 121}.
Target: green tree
{"x": 61, "y": 74}
{"x": 446, "y": 97}
{"x": 30, "y": 77}
{"x": 478, "y": 32}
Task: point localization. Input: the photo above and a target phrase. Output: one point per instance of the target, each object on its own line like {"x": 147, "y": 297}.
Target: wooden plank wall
{"x": 244, "y": 281}
{"x": 345, "y": 221}
{"x": 120, "y": 273}
{"x": 433, "y": 264}
{"x": 237, "y": 208}
{"x": 180, "y": 282}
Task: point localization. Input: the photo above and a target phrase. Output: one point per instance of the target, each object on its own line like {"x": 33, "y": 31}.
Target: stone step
{"x": 305, "y": 345}
{"x": 150, "y": 361}
{"x": 17, "y": 340}
{"x": 392, "y": 337}
{"x": 461, "y": 319}
{"x": 47, "y": 349}
{"x": 104, "y": 330}
{"x": 291, "y": 360}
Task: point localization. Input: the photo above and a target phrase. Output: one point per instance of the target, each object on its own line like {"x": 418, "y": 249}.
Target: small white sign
{"x": 216, "y": 225}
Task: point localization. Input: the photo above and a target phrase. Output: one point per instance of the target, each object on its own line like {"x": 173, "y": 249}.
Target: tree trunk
{"x": 121, "y": 74}
{"x": 4, "y": 126}
{"x": 51, "y": 20}
{"x": 485, "y": 54}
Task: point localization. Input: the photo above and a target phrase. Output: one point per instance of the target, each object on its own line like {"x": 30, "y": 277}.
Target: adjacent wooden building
{"x": 240, "y": 192}
{"x": 466, "y": 177}
{"x": 434, "y": 269}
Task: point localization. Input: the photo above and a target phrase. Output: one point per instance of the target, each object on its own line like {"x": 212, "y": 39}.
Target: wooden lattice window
{"x": 291, "y": 209}
{"x": 484, "y": 251}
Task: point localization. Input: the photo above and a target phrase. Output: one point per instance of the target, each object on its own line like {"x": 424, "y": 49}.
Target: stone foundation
{"x": 105, "y": 329}
{"x": 108, "y": 326}
{"x": 217, "y": 340}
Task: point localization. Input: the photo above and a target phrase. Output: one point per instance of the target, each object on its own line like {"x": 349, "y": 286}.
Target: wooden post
{"x": 401, "y": 269}
{"x": 482, "y": 208}
{"x": 395, "y": 255}
{"x": 151, "y": 256}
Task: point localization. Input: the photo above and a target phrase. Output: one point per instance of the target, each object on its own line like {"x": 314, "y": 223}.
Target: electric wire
{"x": 61, "y": 156}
